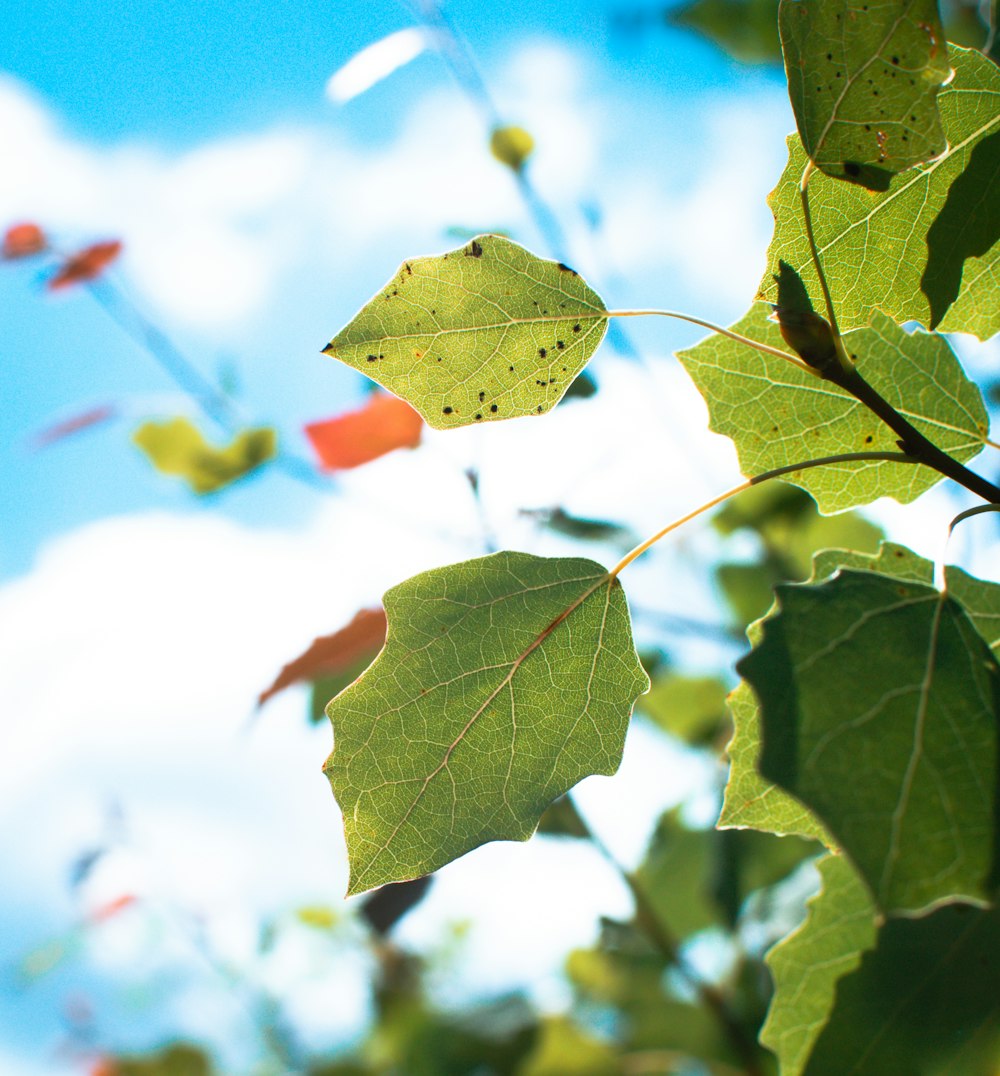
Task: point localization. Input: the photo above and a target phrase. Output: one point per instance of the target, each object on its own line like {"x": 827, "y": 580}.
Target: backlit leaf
{"x": 864, "y": 80}
{"x": 177, "y": 447}
{"x": 330, "y": 655}
{"x": 747, "y": 29}
{"x": 693, "y": 708}
{"x": 807, "y": 965}
{"x": 383, "y": 424}
{"x": 563, "y": 1049}
{"x": 22, "y": 241}
{"x": 980, "y": 600}
{"x": 897, "y": 757}
{"x": 503, "y": 682}
{"x": 923, "y": 1001}
{"x": 928, "y": 248}
{"x": 484, "y": 332}
{"x": 85, "y": 265}
{"x": 778, "y": 414}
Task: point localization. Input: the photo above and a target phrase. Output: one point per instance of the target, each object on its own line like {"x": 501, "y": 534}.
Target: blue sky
{"x": 138, "y": 624}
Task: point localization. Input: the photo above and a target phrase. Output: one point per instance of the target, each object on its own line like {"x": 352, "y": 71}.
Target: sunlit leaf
{"x": 22, "y": 241}
{"x": 85, "y": 265}
{"x": 980, "y": 600}
{"x": 923, "y": 1000}
{"x": 928, "y": 248}
{"x": 897, "y": 756}
{"x": 778, "y": 414}
{"x": 484, "y": 332}
{"x": 503, "y": 682}
{"x": 864, "y": 80}
{"x": 383, "y": 424}
{"x": 177, "y": 447}
{"x": 511, "y": 146}
{"x": 807, "y": 965}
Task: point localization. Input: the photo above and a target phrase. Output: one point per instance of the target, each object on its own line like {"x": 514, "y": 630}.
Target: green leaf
{"x": 750, "y": 801}
{"x": 177, "y": 447}
{"x": 891, "y": 559}
{"x": 692, "y": 708}
{"x": 746, "y": 29}
{"x": 980, "y": 600}
{"x": 484, "y": 332}
{"x": 503, "y": 682}
{"x": 561, "y": 819}
{"x": 563, "y": 1049}
{"x": 897, "y": 756}
{"x": 924, "y": 1001}
{"x": 779, "y": 414}
{"x": 864, "y": 80}
{"x": 807, "y": 965}
{"x": 926, "y": 249}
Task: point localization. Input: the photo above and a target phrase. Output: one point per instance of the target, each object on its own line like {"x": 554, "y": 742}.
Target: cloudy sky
{"x": 137, "y": 625}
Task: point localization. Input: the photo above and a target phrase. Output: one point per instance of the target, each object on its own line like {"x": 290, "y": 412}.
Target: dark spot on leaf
{"x": 560, "y": 345}
{"x": 895, "y": 60}
{"x": 482, "y": 396}
{"x": 478, "y": 416}
{"x": 493, "y": 408}
{"x": 542, "y": 353}
{"x": 539, "y": 409}
{"x": 474, "y": 250}
{"x": 395, "y": 293}
{"x": 869, "y": 439}
{"x": 371, "y": 358}
{"x": 566, "y": 269}
{"x": 408, "y": 269}
{"x": 576, "y": 327}
{"x": 851, "y": 168}
{"x": 829, "y": 55}
{"x": 511, "y": 368}
{"x": 447, "y": 410}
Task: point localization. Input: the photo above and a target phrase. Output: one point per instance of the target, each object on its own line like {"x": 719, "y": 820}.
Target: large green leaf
{"x": 864, "y": 80}
{"x": 746, "y": 29}
{"x": 897, "y": 757}
{"x": 504, "y": 681}
{"x": 981, "y": 600}
{"x": 928, "y": 248}
{"x": 925, "y": 1001}
{"x": 807, "y": 965}
{"x": 177, "y": 447}
{"x": 778, "y": 414}
{"x": 484, "y": 332}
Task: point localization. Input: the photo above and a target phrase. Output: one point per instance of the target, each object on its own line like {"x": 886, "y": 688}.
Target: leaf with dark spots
{"x": 329, "y": 655}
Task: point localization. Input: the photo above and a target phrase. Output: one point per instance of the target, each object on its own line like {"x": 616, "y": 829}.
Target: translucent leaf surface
{"x": 178, "y": 447}
{"x": 778, "y": 414}
{"x": 484, "y": 332}
{"x": 896, "y": 757}
{"x": 503, "y": 682}
{"x": 750, "y": 800}
{"x": 980, "y": 600}
{"x": 925, "y": 1001}
{"x": 807, "y": 965}
{"x": 864, "y": 80}
{"x": 928, "y": 248}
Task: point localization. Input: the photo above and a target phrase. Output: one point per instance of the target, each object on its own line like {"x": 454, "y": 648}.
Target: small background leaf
{"x": 85, "y": 265}
{"x": 383, "y": 424}
{"x": 177, "y": 447}
{"x": 484, "y": 332}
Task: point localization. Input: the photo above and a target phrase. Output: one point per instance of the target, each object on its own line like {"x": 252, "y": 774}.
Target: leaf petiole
{"x": 756, "y": 480}
{"x": 755, "y": 344}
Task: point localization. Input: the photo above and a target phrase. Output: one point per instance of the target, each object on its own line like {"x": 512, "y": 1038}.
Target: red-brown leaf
{"x": 23, "y": 240}
{"x": 86, "y": 264}
{"x": 383, "y": 424}
{"x": 74, "y": 424}
{"x": 332, "y": 654}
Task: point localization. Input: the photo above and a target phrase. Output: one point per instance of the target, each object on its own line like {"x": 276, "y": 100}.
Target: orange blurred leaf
{"x": 383, "y": 424}
{"x": 23, "y": 240}
{"x": 74, "y": 424}
{"x": 86, "y": 264}
{"x": 107, "y": 911}
{"x": 331, "y": 654}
